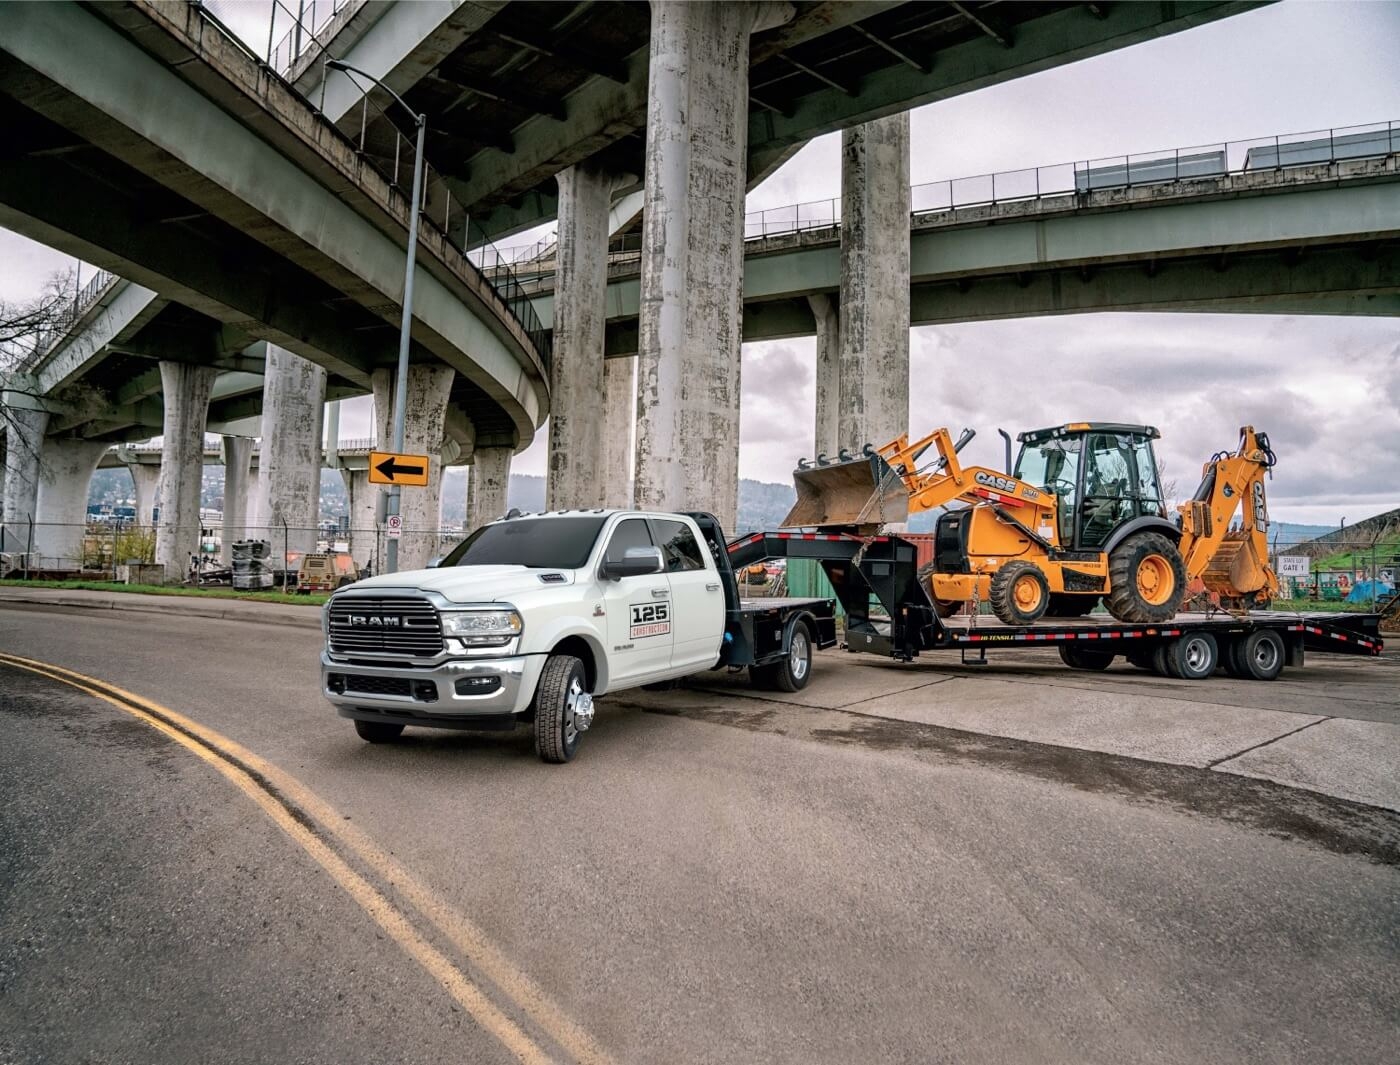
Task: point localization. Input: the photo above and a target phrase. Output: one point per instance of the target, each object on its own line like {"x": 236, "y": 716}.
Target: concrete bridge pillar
{"x": 238, "y": 457}
{"x": 429, "y": 388}
{"x": 828, "y": 374}
{"x": 24, "y": 448}
{"x": 874, "y": 362}
{"x": 363, "y": 506}
{"x": 145, "y": 481}
{"x": 185, "y": 389}
{"x": 692, "y": 256}
{"x": 487, "y": 486}
{"x": 65, "y": 472}
{"x": 620, "y": 406}
{"x": 577, "y": 399}
{"x": 289, "y": 481}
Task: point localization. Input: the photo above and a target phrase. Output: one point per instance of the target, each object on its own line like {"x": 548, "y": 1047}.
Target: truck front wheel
{"x": 563, "y": 708}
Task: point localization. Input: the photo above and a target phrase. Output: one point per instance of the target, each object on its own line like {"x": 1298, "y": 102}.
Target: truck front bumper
{"x": 483, "y": 693}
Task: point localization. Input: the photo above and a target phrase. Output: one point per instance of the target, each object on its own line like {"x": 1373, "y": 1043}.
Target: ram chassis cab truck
{"x": 532, "y": 617}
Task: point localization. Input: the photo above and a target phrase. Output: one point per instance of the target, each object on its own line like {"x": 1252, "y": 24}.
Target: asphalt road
{"x": 711, "y": 881}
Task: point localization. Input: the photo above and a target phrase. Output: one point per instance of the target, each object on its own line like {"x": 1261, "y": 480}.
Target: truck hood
{"x": 469, "y": 584}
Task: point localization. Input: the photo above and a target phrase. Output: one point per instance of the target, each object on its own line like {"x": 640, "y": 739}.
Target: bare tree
{"x": 25, "y": 326}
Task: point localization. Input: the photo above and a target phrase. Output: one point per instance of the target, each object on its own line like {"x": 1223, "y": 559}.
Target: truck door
{"x": 638, "y": 610}
{"x": 697, "y": 597}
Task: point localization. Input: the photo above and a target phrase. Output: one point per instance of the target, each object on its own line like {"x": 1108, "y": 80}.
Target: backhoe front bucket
{"x": 863, "y": 491}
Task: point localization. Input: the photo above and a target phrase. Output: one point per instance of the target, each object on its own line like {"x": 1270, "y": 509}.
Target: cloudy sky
{"x": 1327, "y": 390}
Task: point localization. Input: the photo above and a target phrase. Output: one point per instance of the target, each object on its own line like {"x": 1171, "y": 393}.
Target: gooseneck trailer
{"x": 889, "y": 612}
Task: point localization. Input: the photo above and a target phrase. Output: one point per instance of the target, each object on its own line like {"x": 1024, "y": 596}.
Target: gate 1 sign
{"x": 1293, "y": 565}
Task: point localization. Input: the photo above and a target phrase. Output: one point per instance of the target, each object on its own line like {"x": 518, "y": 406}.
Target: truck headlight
{"x": 482, "y": 628}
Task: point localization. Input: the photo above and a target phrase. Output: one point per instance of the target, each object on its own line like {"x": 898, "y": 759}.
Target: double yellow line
{"x": 314, "y": 824}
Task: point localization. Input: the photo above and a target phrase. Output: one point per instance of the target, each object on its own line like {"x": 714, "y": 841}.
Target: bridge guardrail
{"x": 383, "y": 147}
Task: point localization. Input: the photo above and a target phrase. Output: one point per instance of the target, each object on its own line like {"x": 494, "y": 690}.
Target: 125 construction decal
{"x": 650, "y": 619}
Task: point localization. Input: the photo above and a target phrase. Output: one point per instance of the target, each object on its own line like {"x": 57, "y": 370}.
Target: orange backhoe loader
{"x": 1079, "y": 517}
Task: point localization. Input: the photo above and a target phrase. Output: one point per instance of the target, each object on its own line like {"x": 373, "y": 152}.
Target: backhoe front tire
{"x": 1146, "y": 580}
{"x": 1019, "y": 593}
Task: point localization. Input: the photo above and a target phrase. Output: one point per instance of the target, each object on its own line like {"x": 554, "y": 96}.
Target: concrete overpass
{"x": 521, "y": 91}
{"x": 1311, "y": 239}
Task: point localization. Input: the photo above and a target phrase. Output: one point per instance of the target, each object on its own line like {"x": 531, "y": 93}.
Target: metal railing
{"x": 70, "y": 313}
{"x": 390, "y": 153}
{"x": 1279, "y": 152}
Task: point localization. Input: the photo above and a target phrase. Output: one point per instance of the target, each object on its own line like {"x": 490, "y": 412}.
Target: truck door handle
{"x": 660, "y": 593}
{"x": 712, "y": 587}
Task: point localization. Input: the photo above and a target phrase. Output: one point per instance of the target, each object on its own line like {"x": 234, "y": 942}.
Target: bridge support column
{"x": 363, "y": 507}
{"x": 145, "y": 481}
{"x": 620, "y": 387}
{"x": 429, "y": 388}
{"x": 874, "y": 368}
{"x": 289, "y": 480}
{"x": 577, "y": 400}
{"x": 65, "y": 473}
{"x": 828, "y": 374}
{"x": 692, "y": 256}
{"x": 238, "y": 457}
{"x": 185, "y": 389}
{"x": 488, "y": 485}
{"x": 24, "y": 448}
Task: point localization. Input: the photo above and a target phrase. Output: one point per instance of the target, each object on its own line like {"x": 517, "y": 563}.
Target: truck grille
{"x": 366, "y": 625}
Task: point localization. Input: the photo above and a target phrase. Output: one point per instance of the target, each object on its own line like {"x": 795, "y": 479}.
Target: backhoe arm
{"x": 1232, "y": 564}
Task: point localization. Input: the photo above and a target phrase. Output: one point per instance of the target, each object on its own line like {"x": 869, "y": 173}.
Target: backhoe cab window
{"x": 539, "y": 543}
{"x": 1107, "y": 487}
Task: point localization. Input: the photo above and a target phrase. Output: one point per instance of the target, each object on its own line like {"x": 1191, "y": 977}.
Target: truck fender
{"x": 561, "y": 629}
{"x": 812, "y": 627}
{"x": 1146, "y": 523}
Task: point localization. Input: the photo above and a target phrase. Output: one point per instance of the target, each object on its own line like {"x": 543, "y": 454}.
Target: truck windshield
{"x": 539, "y": 543}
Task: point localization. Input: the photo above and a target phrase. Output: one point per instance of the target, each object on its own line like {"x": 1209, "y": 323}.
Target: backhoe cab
{"x": 1080, "y": 516}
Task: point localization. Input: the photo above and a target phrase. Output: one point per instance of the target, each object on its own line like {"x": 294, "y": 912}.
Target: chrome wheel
{"x": 1265, "y": 656}
{"x": 800, "y": 656}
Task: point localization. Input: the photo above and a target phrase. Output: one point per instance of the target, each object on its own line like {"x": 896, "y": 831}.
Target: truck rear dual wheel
{"x": 1146, "y": 579}
{"x": 792, "y": 672}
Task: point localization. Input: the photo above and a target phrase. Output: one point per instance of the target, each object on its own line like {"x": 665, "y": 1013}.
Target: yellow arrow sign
{"x": 385, "y": 467}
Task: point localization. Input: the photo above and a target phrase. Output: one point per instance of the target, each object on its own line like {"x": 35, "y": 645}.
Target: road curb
{"x": 245, "y": 610}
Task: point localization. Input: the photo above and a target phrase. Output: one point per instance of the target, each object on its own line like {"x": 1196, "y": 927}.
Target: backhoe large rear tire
{"x": 1019, "y": 593}
{"x": 1146, "y": 579}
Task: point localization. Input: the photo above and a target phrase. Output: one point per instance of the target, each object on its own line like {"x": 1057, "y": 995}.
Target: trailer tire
{"x": 1140, "y": 657}
{"x": 1019, "y": 593}
{"x": 795, "y": 670}
{"x": 1160, "y": 665}
{"x": 1146, "y": 579}
{"x": 1067, "y": 605}
{"x": 1193, "y": 656}
{"x": 1085, "y": 657}
{"x": 378, "y": 731}
{"x": 561, "y": 683}
{"x": 1230, "y": 659}
{"x": 1260, "y": 655}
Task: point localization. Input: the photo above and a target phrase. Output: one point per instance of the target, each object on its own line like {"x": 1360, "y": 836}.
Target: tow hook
{"x": 583, "y": 711}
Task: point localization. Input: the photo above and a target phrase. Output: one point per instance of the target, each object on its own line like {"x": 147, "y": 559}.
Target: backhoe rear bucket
{"x": 860, "y": 492}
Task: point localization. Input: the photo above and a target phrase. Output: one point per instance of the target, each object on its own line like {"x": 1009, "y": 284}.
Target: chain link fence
{"x": 1355, "y": 574}
{"x": 112, "y": 549}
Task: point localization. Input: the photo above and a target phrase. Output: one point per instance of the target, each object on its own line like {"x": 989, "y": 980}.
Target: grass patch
{"x": 1324, "y": 606}
{"x": 311, "y": 599}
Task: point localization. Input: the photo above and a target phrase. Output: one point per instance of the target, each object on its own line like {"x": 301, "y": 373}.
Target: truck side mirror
{"x": 635, "y": 562}
{"x": 434, "y": 563}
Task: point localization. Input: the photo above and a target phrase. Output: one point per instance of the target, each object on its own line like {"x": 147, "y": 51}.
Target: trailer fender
{"x": 1146, "y": 523}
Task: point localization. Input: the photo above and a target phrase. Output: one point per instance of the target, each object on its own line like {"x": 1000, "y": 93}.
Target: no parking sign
{"x": 393, "y": 526}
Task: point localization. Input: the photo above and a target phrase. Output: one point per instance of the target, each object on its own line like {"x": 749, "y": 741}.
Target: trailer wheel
{"x": 1141, "y": 657}
{"x": 1159, "y": 661}
{"x": 563, "y": 708}
{"x": 1260, "y": 655}
{"x": 1146, "y": 579}
{"x": 1193, "y": 656}
{"x": 1019, "y": 593}
{"x": 1085, "y": 657}
{"x": 378, "y": 731}
{"x": 1230, "y": 659}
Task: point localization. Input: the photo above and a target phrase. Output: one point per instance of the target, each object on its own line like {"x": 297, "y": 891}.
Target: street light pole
{"x": 391, "y": 508}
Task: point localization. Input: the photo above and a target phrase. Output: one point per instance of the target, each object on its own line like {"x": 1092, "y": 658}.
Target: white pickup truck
{"x": 534, "y": 616}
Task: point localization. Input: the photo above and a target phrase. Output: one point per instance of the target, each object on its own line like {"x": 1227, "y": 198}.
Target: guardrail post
{"x": 29, "y": 547}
